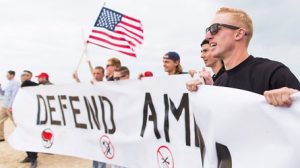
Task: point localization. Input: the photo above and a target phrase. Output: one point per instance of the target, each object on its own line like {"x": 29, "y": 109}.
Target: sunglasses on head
{"x": 214, "y": 28}
{"x": 119, "y": 77}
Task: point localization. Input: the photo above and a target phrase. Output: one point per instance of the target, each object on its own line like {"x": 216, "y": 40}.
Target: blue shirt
{"x": 9, "y": 93}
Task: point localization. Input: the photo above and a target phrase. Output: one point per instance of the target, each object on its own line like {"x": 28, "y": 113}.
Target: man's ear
{"x": 240, "y": 34}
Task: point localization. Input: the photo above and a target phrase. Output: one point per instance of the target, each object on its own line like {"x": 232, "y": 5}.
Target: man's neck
{"x": 171, "y": 73}
{"x": 216, "y": 68}
{"x": 235, "y": 58}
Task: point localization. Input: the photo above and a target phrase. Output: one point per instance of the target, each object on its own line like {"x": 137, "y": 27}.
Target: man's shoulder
{"x": 28, "y": 83}
{"x": 15, "y": 82}
{"x": 266, "y": 61}
{"x": 266, "y": 65}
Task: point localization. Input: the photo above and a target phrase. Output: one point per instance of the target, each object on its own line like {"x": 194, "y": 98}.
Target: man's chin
{"x": 216, "y": 55}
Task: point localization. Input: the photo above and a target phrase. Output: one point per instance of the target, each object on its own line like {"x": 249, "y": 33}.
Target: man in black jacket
{"x": 26, "y": 82}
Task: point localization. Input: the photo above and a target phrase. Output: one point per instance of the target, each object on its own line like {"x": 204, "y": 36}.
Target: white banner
{"x": 150, "y": 123}
{"x": 135, "y": 123}
{"x": 256, "y": 134}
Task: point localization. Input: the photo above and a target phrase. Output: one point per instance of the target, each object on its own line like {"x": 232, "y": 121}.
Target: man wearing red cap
{"x": 43, "y": 79}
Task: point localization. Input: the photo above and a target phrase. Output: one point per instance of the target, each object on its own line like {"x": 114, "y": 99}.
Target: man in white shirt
{"x": 9, "y": 95}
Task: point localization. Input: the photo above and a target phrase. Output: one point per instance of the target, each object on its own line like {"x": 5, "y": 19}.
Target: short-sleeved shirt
{"x": 258, "y": 75}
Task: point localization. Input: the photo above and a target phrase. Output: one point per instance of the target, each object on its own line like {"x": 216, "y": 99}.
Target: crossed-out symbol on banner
{"x": 164, "y": 157}
{"x": 107, "y": 147}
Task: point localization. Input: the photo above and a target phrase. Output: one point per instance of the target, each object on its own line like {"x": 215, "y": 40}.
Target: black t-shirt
{"x": 258, "y": 75}
{"x": 220, "y": 72}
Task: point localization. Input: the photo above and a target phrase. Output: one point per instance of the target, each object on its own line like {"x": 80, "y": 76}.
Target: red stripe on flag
{"x": 108, "y": 42}
{"x": 137, "y": 35}
{"x": 133, "y": 19}
{"x": 113, "y": 37}
{"x": 132, "y": 26}
{"x": 122, "y": 33}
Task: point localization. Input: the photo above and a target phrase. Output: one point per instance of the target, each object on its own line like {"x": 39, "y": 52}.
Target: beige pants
{"x": 4, "y": 115}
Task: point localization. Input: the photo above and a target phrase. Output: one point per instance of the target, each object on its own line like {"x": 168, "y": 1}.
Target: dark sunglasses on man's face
{"x": 108, "y": 65}
{"x": 24, "y": 75}
{"x": 214, "y": 28}
{"x": 118, "y": 77}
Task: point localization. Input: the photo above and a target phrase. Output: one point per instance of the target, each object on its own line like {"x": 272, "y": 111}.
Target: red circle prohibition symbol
{"x": 106, "y": 146}
{"x": 164, "y": 157}
{"x": 47, "y": 138}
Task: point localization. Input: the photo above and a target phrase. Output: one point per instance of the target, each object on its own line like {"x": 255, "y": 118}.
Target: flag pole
{"x": 86, "y": 53}
{"x": 82, "y": 55}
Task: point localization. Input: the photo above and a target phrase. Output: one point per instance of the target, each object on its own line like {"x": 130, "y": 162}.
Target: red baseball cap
{"x": 43, "y": 75}
{"x": 148, "y": 74}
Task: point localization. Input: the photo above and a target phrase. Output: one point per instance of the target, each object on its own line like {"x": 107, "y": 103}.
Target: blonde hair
{"x": 115, "y": 61}
{"x": 178, "y": 69}
{"x": 123, "y": 70}
{"x": 242, "y": 17}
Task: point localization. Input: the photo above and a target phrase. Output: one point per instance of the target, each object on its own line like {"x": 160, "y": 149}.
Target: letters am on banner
{"x": 127, "y": 123}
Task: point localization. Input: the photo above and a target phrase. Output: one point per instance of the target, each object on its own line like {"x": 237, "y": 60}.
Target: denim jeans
{"x": 97, "y": 164}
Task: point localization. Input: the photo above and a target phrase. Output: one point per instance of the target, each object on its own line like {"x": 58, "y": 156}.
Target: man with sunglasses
{"x": 229, "y": 37}
{"x": 111, "y": 66}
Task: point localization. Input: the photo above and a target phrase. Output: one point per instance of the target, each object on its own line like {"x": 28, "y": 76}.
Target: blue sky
{"x": 47, "y": 35}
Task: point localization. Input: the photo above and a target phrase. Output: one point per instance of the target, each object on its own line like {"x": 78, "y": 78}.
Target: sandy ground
{"x": 9, "y": 157}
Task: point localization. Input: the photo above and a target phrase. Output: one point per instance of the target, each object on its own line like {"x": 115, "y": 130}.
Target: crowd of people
{"x": 224, "y": 50}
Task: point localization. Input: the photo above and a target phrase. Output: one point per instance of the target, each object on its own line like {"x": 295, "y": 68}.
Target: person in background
{"x": 9, "y": 95}
{"x": 26, "y": 82}
{"x": 112, "y": 64}
{"x": 98, "y": 75}
{"x": 145, "y": 74}
{"x": 121, "y": 73}
{"x": 215, "y": 64}
{"x": 171, "y": 63}
{"x": 43, "y": 79}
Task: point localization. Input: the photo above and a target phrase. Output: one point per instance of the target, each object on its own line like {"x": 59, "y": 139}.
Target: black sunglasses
{"x": 214, "y": 28}
{"x": 119, "y": 77}
{"x": 108, "y": 65}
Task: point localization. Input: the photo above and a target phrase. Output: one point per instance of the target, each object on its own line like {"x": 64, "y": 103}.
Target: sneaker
{"x": 25, "y": 160}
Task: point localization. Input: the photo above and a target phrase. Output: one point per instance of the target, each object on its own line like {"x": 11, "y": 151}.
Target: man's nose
{"x": 208, "y": 36}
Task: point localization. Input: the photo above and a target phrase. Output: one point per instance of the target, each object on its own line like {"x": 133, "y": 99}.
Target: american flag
{"x": 117, "y": 31}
